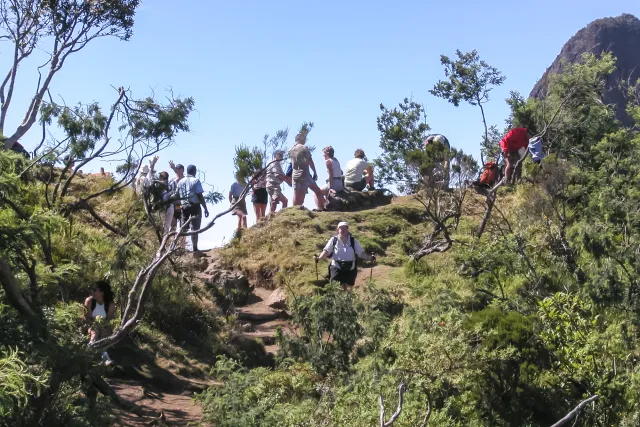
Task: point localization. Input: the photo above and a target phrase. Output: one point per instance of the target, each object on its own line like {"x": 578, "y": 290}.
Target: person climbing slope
{"x": 344, "y": 251}
{"x": 190, "y": 190}
{"x": 358, "y": 173}
{"x": 301, "y": 161}
{"x": 275, "y": 177}
{"x": 514, "y": 147}
{"x": 100, "y": 309}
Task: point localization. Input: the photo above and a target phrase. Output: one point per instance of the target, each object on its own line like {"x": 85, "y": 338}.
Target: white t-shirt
{"x": 355, "y": 170}
{"x": 344, "y": 251}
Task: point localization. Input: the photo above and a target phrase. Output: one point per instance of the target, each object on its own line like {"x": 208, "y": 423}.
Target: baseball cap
{"x": 343, "y": 224}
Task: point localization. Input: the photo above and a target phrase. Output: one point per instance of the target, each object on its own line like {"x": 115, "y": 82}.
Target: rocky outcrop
{"x": 621, "y": 37}
{"x": 230, "y": 285}
{"x": 351, "y": 201}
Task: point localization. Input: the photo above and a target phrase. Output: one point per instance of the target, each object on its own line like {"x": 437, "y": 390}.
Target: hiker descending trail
{"x": 344, "y": 251}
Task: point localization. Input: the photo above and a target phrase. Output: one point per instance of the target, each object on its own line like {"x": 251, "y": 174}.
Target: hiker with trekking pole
{"x": 344, "y": 251}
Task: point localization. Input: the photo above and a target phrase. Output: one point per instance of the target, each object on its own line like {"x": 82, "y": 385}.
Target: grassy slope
{"x": 284, "y": 245}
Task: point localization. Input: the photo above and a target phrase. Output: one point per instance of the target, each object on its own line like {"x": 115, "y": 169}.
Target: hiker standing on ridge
{"x": 275, "y": 177}
{"x": 190, "y": 190}
{"x": 259, "y": 195}
{"x": 334, "y": 182}
{"x": 344, "y": 251}
{"x": 358, "y": 173}
{"x": 146, "y": 176}
{"x": 514, "y": 147}
{"x": 173, "y": 189}
{"x": 241, "y": 208}
{"x": 443, "y": 163}
{"x": 301, "y": 161}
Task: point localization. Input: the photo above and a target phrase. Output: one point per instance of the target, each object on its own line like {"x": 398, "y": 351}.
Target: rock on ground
{"x": 278, "y": 299}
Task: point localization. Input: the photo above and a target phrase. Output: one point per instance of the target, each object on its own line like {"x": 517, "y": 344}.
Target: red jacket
{"x": 514, "y": 140}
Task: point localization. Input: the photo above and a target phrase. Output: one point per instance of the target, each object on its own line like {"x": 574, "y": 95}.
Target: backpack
{"x": 154, "y": 193}
{"x": 352, "y": 240}
{"x": 490, "y": 174}
{"x": 289, "y": 171}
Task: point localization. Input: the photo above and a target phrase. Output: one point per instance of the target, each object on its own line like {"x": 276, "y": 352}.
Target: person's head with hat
{"x": 343, "y": 229}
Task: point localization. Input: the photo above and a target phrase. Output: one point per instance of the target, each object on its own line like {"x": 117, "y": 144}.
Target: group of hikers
{"x": 183, "y": 198}
{"x": 266, "y": 184}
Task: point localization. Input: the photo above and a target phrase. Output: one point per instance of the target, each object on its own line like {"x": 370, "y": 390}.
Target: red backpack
{"x": 490, "y": 174}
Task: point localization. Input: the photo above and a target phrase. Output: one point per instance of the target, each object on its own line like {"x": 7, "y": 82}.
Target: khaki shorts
{"x": 274, "y": 193}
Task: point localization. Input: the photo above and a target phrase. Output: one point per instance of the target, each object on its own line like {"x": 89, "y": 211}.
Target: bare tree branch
{"x": 575, "y": 411}
{"x": 14, "y": 294}
{"x": 394, "y": 417}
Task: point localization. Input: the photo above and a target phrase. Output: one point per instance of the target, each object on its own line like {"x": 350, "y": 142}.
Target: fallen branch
{"x": 575, "y": 411}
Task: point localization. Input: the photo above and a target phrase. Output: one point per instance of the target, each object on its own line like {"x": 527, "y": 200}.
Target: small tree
{"x": 403, "y": 130}
{"x": 471, "y": 80}
{"x": 61, "y": 28}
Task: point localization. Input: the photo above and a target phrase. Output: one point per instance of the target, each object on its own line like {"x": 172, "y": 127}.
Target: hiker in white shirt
{"x": 358, "y": 173}
{"x": 344, "y": 251}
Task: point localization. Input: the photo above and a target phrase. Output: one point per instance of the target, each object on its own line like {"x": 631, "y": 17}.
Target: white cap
{"x": 145, "y": 169}
{"x": 342, "y": 224}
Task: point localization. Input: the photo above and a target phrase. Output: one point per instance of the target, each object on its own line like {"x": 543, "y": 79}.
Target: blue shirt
{"x": 189, "y": 187}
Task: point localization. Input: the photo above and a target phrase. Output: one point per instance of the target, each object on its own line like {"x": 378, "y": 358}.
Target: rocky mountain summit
{"x": 621, "y": 37}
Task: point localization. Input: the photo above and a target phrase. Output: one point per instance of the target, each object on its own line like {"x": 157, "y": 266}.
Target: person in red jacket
{"x": 514, "y": 147}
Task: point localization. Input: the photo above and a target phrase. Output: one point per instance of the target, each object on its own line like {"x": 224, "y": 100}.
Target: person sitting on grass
{"x": 358, "y": 173}
{"x": 344, "y": 251}
{"x": 99, "y": 310}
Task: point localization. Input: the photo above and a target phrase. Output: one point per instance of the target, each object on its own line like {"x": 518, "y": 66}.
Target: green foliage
{"x": 470, "y": 79}
{"x": 403, "y": 130}
{"x": 17, "y": 384}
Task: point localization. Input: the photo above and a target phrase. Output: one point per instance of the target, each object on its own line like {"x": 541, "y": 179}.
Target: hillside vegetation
{"x": 512, "y": 323}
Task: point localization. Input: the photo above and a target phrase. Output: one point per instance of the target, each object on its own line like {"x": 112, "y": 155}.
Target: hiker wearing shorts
{"x": 344, "y": 251}
{"x": 259, "y": 195}
{"x": 334, "y": 182}
{"x": 302, "y": 180}
{"x": 514, "y": 147}
{"x": 190, "y": 190}
{"x": 241, "y": 208}
{"x": 358, "y": 173}
{"x": 275, "y": 177}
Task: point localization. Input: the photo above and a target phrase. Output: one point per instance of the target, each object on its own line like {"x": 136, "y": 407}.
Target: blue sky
{"x": 254, "y": 67}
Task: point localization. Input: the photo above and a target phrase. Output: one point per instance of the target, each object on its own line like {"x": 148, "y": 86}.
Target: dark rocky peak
{"x": 621, "y": 37}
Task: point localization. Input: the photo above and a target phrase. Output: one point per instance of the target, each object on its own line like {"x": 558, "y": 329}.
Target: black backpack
{"x": 154, "y": 194}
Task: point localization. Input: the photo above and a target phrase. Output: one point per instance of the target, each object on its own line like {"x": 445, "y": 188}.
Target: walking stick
{"x": 315, "y": 257}
{"x": 371, "y": 270}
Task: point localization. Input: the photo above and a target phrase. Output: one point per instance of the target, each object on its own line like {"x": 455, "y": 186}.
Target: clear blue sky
{"x": 254, "y": 67}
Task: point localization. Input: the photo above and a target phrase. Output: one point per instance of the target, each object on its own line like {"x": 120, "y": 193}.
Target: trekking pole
{"x": 371, "y": 270}
{"x": 315, "y": 258}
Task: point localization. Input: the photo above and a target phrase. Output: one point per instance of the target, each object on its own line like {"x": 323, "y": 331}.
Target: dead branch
{"x": 394, "y": 417}
{"x": 14, "y": 294}
{"x": 575, "y": 411}
{"x": 428, "y": 414}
